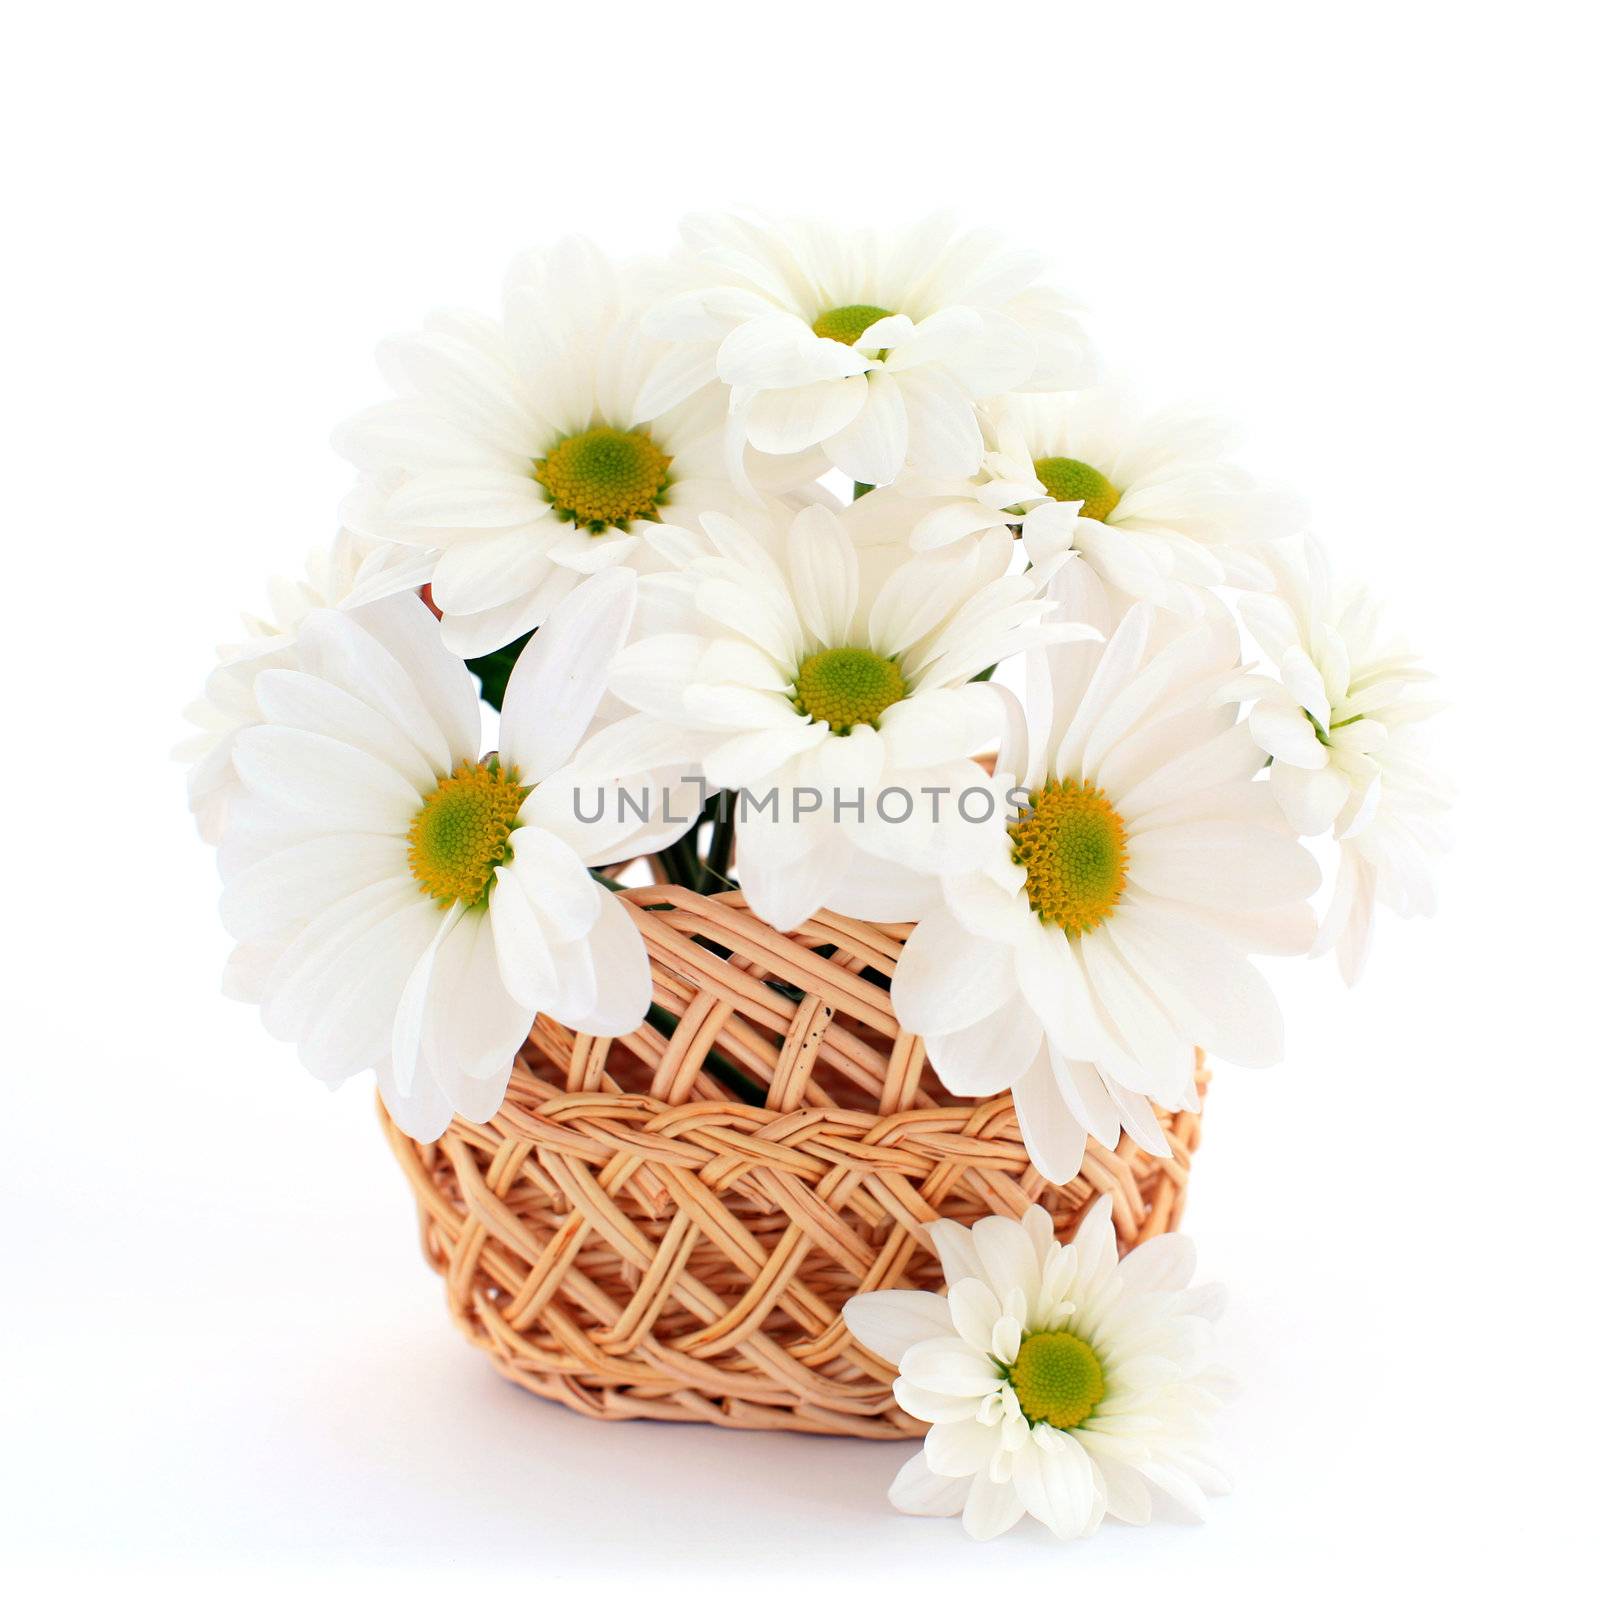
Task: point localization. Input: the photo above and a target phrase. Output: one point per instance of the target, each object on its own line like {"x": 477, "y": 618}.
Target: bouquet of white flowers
{"x": 731, "y": 546}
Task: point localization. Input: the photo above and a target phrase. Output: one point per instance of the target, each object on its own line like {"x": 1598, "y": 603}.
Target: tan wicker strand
{"x": 635, "y": 1236}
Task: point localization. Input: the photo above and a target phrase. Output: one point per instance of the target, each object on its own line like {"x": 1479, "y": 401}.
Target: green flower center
{"x": 847, "y": 323}
{"x": 605, "y": 478}
{"x": 1057, "y": 1378}
{"x": 463, "y": 831}
{"x": 1075, "y": 850}
{"x": 1067, "y": 479}
{"x": 847, "y": 687}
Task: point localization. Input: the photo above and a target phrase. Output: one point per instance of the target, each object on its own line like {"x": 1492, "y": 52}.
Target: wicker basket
{"x": 666, "y": 1225}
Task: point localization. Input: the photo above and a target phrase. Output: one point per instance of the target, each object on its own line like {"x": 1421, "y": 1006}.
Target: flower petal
{"x": 946, "y": 979}
{"x": 1055, "y": 1140}
{"x": 1230, "y": 865}
{"x": 950, "y": 1366}
{"x": 989, "y": 1056}
{"x": 920, "y": 1492}
{"x": 614, "y": 950}
{"x": 783, "y": 422}
{"x": 560, "y": 676}
{"x": 973, "y": 1308}
{"x": 1164, "y": 1262}
{"x": 825, "y": 574}
{"x": 872, "y": 449}
{"x": 1008, "y": 1257}
{"x": 991, "y": 1509}
{"x": 959, "y": 1449}
{"x": 1057, "y": 1486}
{"x": 342, "y": 786}
{"x": 889, "y": 1321}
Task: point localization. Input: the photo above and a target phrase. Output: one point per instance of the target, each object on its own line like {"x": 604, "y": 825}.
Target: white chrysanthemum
{"x": 405, "y": 903}
{"x": 874, "y": 345}
{"x": 1105, "y": 936}
{"x": 831, "y": 681}
{"x": 1341, "y": 728}
{"x": 521, "y": 450}
{"x": 346, "y": 575}
{"x": 1150, "y": 502}
{"x": 1060, "y": 1383}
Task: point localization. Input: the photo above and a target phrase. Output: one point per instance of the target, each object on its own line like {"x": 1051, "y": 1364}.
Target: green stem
{"x": 720, "y": 852}
{"x": 680, "y": 862}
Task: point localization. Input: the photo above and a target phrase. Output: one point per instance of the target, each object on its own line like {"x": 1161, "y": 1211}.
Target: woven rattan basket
{"x": 633, "y": 1237}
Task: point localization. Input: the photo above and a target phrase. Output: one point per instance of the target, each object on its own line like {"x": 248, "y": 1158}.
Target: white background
{"x": 1362, "y": 230}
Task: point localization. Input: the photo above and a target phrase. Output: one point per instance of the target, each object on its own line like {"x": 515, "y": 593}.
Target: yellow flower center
{"x": 845, "y": 687}
{"x": 1057, "y": 1378}
{"x": 605, "y": 478}
{"x": 847, "y": 323}
{"x": 1075, "y": 850}
{"x": 1067, "y": 479}
{"x": 463, "y": 831}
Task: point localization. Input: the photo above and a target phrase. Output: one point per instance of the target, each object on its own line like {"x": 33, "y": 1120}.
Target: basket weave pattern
{"x": 630, "y": 1237}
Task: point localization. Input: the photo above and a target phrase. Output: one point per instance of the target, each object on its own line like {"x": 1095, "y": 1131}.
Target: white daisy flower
{"x": 830, "y": 682}
{"x": 1151, "y": 503}
{"x": 874, "y": 345}
{"x": 406, "y": 903}
{"x": 348, "y": 574}
{"x": 1060, "y": 1383}
{"x": 1105, "y": 935}
{"x": 520, "y": 451}
{"x": 1341, "y": 726}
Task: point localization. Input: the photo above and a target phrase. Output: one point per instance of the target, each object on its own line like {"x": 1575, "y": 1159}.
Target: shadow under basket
{"x": 666, "y": 1225}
